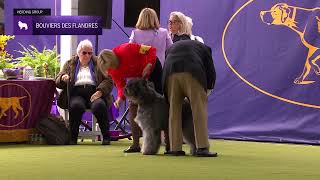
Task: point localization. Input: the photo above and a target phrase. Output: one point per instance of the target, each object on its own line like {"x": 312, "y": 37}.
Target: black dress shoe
{"x": 174, "y": 153}
{"x": 106, "y": 141}
{"x": 132, "y": 149}
{"x": 204, "y": 152}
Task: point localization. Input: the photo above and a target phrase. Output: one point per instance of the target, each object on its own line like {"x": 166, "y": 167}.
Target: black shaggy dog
{"x": 153, "y": 116}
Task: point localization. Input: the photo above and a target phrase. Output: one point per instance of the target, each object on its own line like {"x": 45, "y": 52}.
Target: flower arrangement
{"x": 4, "y": 55}
{"x": 45, "y": 63}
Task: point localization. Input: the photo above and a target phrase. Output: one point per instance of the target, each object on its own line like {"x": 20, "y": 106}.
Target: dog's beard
{"x": 134, "y": 100}
{"x": 140, "y": 95}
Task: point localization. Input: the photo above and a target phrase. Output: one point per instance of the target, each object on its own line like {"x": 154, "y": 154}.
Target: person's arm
{"x": 149, "y": 59}
{"x": 64, "y": 71}
{"x": 209, "y": 68}
{"x": 105, "y": 86}
{"x": 120, "y": 84}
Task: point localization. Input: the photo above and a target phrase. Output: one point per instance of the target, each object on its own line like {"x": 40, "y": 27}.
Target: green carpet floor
{"x": 237, "y": 160}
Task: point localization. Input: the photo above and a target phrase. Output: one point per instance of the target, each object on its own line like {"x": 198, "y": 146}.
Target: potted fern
{"x": 45, "y": 63}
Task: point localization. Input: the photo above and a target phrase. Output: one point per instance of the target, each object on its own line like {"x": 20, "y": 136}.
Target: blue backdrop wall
{"x": 267, "y": 71}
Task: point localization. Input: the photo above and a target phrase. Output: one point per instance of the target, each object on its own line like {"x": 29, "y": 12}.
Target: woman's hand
{"x": 65, "y": 78}
{"x": 118, "y": 103}
{"x": 95, "y": 96}
{"x": 146, "y": 70}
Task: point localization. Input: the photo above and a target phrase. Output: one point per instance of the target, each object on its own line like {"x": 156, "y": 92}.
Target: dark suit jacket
{"x": 193, "y": 57}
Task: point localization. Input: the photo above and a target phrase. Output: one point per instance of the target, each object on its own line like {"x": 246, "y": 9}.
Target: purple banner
{"x": 268, "y": 87}
{"x": 57, "y": 25}
{"x": 256, "y": 96}
{"x": 23, "y": 102}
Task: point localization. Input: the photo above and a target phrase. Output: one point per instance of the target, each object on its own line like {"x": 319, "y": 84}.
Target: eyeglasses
{"x": 85, "y": 52}
{"x": 172, "y": 22}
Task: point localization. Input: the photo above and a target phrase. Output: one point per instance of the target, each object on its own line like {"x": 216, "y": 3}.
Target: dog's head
{"x": 139, "y": 91}
{"x": 277, "y": 15}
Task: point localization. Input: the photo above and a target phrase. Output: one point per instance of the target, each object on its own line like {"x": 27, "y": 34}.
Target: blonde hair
{"x": 148, "y": 19}
{"x": 189, "y": 25}
{"x": 181, "y": 18}
{"x": 105, "y": 59}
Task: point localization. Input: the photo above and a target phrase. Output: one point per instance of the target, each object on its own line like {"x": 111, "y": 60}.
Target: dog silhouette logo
{"x": 294, "y": 18}
{"x": 23, "y": 25}
{"x": 10, "y": 102}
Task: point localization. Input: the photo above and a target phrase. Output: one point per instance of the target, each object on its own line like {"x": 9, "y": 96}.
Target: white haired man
{"x": 189, "y": 73}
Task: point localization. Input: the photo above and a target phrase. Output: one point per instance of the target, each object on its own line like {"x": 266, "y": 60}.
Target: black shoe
{"x": 204, "y": 152}
{"x": 106, "y": 141}
{"x": 132, "y": 149}
{"x": 175, "y": 153}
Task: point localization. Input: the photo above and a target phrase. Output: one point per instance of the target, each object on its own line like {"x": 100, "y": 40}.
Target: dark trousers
{"x": 156, "y": 77}
{"x": 79, "y": 102}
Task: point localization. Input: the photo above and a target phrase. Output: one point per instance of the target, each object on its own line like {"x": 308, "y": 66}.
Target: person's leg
{"x": 135, "y": 129}
{"x": 77, "y": 108}
{"x": 198, "y": 101}
{"x": 99, "y": 109}
{"x": 175, "y": 98}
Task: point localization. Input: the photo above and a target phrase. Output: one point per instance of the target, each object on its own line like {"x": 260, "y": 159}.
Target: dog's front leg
{"x": 151, "y": 141}
{"x": 315, "y": 56}
{"x": 2, "y": 114}
{"x": 304, "y": 74}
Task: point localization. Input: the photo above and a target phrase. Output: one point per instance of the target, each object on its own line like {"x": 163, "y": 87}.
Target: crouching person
{"x": 128, "y": 61}
{"x": 88, "y": 88}
{"x": 188, "y": 72}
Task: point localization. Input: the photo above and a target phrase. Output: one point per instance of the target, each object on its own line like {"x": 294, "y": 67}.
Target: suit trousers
{"x": 179, "y": 86}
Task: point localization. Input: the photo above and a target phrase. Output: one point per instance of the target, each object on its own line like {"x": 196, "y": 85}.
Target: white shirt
{"x": 84, "y": 77}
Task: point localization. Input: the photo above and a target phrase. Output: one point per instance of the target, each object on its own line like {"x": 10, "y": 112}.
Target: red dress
{"x": 133, "y": 58}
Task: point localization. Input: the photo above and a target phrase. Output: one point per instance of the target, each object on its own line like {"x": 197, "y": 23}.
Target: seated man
{"x": 131, "y": 60}
{"x": 188, "y": 72}
{"x": 89, "y": 88}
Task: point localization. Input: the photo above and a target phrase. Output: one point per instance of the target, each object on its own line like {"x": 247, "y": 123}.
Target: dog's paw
{"x": 149, "y": 153}
{"x": 299, "y": 81}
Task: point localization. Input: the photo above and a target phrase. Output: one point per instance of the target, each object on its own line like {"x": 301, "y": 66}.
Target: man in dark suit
{"x": 188, "y": 72}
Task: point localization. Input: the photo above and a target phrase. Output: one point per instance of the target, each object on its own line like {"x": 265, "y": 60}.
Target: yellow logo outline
{"x": 242, "y": 78}
{"x": 25, "y": 117}
{"x": 285, "y": 15}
